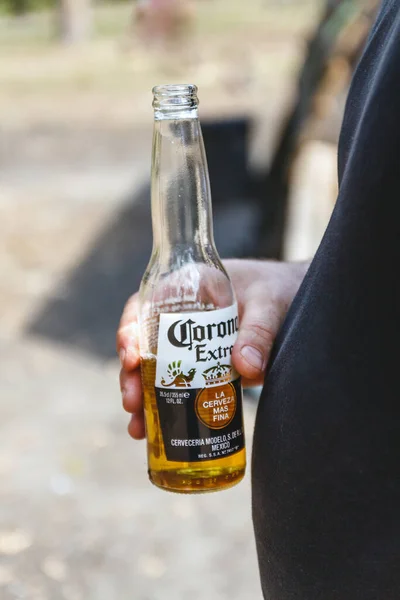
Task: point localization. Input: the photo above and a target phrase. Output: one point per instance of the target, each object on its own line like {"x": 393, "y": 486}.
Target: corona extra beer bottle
{"x": 188, "y": 316}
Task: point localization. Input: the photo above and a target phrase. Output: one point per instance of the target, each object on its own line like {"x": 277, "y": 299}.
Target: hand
{"x": 264, "y": 292}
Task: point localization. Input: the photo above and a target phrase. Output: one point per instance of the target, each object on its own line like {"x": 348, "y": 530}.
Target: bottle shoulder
{"x": 191, "y": 287}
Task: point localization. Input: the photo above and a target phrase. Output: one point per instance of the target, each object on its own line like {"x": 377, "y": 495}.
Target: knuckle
{"x": 130, "y": 310}
{"x": 126, "y": 404}
{"x": 118, "y": 340}
{"x": 121, "y": 378}
{"x": 260, "y": 331}
{"x": 127, "y": 337}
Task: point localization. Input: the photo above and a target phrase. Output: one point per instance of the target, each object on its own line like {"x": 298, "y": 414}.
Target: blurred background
{"x": 78, "y": 518}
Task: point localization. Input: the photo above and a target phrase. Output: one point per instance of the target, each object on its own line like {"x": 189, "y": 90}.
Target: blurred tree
{"x": 18, "y": 7}
{"x": 22, "y": 7}
{"x": 274, "y": 186}
{"x": 163, "y": 21}
{"x": 74, "y": 20}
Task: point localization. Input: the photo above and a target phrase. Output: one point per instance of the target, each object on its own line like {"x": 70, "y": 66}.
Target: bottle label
{"x": 198, "y": 391}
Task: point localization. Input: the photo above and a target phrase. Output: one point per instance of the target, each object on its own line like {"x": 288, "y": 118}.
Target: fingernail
{"x": 253, "y": 356}
{"x": 122, "y": 354}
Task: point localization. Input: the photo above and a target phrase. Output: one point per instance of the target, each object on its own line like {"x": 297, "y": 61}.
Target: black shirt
{"x": 326, "y": 455}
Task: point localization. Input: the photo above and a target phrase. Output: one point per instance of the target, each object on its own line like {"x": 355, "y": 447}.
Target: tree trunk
{"x": 74, "y": 20}
{"x": 274, "y": 186}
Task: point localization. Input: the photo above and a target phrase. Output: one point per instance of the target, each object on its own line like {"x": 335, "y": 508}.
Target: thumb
{"x": 257, "y": 331}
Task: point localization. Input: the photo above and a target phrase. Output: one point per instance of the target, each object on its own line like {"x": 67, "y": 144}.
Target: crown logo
{"x": 217, "y": 374}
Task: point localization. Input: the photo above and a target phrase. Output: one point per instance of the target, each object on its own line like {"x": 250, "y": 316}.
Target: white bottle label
{"x": 198, "y": 391}
{"x": 195, "y": 349}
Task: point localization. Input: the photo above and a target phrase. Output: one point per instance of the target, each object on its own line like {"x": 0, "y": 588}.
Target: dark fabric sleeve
{"x": 326, "y": 453}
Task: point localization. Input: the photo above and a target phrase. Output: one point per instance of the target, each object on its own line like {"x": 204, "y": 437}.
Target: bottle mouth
{"x": 171, "y": 100}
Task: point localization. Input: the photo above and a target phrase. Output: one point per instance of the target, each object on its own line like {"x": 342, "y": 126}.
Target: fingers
{"x": 130, "y": 381}
{"x": 258, "y": 328}
{"x": 128, "y": 336}
{"x": 136, "y": 426}
{"x": 131, "y": 389}
{"x": 132, "y": 401}
{"x": 130, "y": 313}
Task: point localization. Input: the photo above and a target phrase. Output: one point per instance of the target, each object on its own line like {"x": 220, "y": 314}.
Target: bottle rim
{"x": 175, "y": 97}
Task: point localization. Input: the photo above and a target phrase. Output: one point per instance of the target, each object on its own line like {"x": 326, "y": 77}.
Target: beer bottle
{"x": 188, "y": 316}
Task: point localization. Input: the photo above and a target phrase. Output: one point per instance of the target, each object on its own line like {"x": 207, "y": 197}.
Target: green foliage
{"x": 21, "y": 7}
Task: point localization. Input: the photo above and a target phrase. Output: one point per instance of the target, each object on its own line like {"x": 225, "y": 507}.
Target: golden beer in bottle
{"x": 188, "y": 316}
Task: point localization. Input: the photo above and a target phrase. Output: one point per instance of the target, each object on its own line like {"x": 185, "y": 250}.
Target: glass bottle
{"x": 188, "y": 316}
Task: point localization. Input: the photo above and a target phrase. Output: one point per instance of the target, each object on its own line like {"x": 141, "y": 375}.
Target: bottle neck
{"x": 180, "y": 189}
